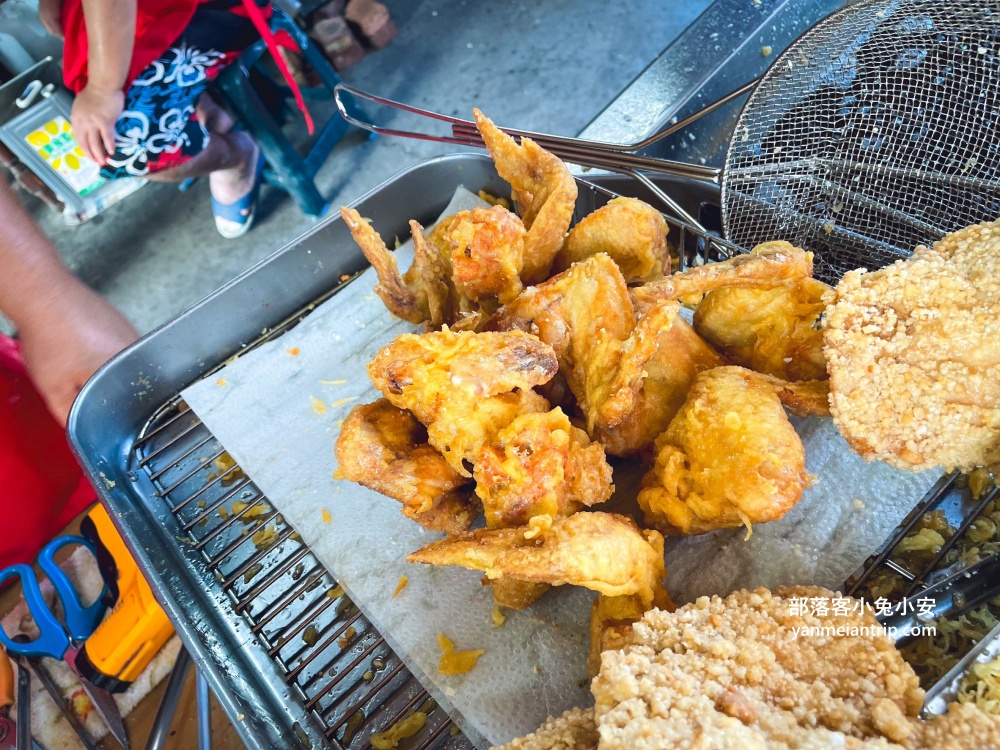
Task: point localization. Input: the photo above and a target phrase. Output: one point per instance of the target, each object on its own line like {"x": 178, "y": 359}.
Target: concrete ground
{"x": 550, "y": 66}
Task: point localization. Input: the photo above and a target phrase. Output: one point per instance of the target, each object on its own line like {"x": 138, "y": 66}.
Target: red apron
{"x": 41, "y": 486}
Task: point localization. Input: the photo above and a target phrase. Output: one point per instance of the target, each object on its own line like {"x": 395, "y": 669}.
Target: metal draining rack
{"x": 330, "y": 655}
{"x": 328, "y": 652}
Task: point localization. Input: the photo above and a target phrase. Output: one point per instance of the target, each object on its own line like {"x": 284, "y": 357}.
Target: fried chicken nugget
{"x": 385, "y": 449}
{"x": 545, "y": 192}
{"x": 768, "y": 264}
{"x": 914, "y": 355}
{"x": 538, "y": 465}
{"x": 465, "y": 386}
{"x": 632, "y": 232}
{"x": 487, "y": 253}
{"x": 604, "y": 552}
{"x": 774, "y": 330}
{"x": 730, "y": 457}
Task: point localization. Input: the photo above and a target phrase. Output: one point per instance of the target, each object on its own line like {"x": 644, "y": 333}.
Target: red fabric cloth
{"x": 158, "y": 23}
{"x": 41, "y": 486}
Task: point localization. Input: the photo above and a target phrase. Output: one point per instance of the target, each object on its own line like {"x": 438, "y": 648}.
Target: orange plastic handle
{"x": 137, "y": 627}
{"x": 6, "y": 680}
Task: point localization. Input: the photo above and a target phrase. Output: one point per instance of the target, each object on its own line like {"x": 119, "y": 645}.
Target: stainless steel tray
{"x": 154, "y": 465}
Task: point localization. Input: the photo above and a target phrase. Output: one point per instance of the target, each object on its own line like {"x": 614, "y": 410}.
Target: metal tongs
{"x": 950, "y": 597}
{"x": 614, "y": 157}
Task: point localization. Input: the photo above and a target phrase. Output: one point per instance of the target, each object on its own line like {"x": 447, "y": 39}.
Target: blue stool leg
{"x": 286, "y": 164}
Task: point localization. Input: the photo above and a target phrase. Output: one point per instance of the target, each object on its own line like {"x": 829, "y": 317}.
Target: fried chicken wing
{"x": 385, "y": 449}
{"x": 464, "y": 386}
{"x": 768, "y": 264}
{"x": 632, "y": 232}
{"x": 636, "y": 418}
{"x": 540, "y": 464}
{"x": 914, "y": 355}
{"x": 487, "y": 253}
{"x": 585, "y": 314}
{"x": 404, "y": 296}
{"x": 545, "y": 192}
{"x": 730, "y": 457}
{"x": 775, "y": 330}
{"x": 604, "y": 552}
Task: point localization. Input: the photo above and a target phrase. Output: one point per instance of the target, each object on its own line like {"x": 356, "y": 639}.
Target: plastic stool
{"x": 285, "y": 168}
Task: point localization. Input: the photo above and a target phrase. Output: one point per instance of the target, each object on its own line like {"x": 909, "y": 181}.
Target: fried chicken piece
{"x": 666, "y": 379}
{"x": 433, "y": 270}
{"x": 768, "y": 264}
{"x": 545, "y": 192}
{"x": 465, "y": 387}
{"x": 964, "y": 727}
{"x": 632, "y": 232}
{"x": 385, "y": 449}
{"x": 540, "y": 464}
{"x": 775, "y": 330}
{"x": 404, "y": 296}
{"x": 730, "y": 457}
{"x": 487, "y": 253}
{"x": 604, "y": 552}
{"x": 803, "y": 398}
{"x": 585, "y": 314}
{"x": 611, "y": 620}
{"x": 913, "y": 352}
{"x": 573, "y": 730}
{"x": 734, "y": 673}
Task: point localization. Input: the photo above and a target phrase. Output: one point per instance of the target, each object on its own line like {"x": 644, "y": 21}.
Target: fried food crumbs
{"x": 265, "y": 537}
{"x": 310, "y": 636}
{"x": 368, "y": 676}
{"x": 736, "y": 673}
{"x": 538, "y": 525}
{"x": 252, "y": 572}
{"x": 403, "y": 580}
{"x": 574, "y": 730}
{"x": 979, "y": 482}
{"x": 226, "y": 467}
{"x": 498, "y": 618}
{"x": 455, "y": 662}
{"x": 493, "y": 200}
{"x": 345, "y": 276}
{"x": 252, "y": 513}
{"x": 399, "y": 731}
{"x": 326, "y": 516}
{"x": 914, "y": 357}
{"x": 222, "y": 382}
{"x": 347, "y": 636}
{"x": 333, "y": 382}
{"x": 224, "y": 513}
{"x": 342, "y": 401}
{"x": 766, "y": 50}
{"x": 294, "y": 351}
{"x": 317, "y": 406}
{"x": 336, "y": 592}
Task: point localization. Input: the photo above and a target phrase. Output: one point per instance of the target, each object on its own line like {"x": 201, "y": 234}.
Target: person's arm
{"x": 110, "y": 39}
{"x": 49, "y": 13}
{"x": 67, "y": 330}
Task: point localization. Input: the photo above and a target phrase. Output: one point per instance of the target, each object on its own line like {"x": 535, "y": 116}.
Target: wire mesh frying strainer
{"x": 874, "y": 132}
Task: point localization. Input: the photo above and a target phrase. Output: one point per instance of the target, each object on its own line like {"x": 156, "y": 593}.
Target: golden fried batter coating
{"x": 632, "y": 232}
{"x": 914, "y": 355}
{"x": 433, "y": 270}
{"x": 464, "y": 386}
{"x": 385, "y": 449}
{"x": 666, "y": 379}
{"x": 733, "y": 673}
{"x": 573, "y": 730}
{"x": 964, "y": 727}
{"x": 772, "y": 330}
{"x": 767, "y": 264}
{"x": 585, "y": 314}
{"x": 487, "y": 253}
{"x": 545, "y": 192}
{"x": 730, "y": 457}
{"x": 605, "y": 552}
{"x": 540, "y": 464}
{"x": 611, "y": 620}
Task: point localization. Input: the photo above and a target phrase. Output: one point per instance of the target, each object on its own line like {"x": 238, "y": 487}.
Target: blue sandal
{"x": 235, "y": 219}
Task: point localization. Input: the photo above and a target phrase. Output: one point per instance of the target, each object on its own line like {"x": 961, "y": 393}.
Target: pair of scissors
{"x": 61, "y": 640}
